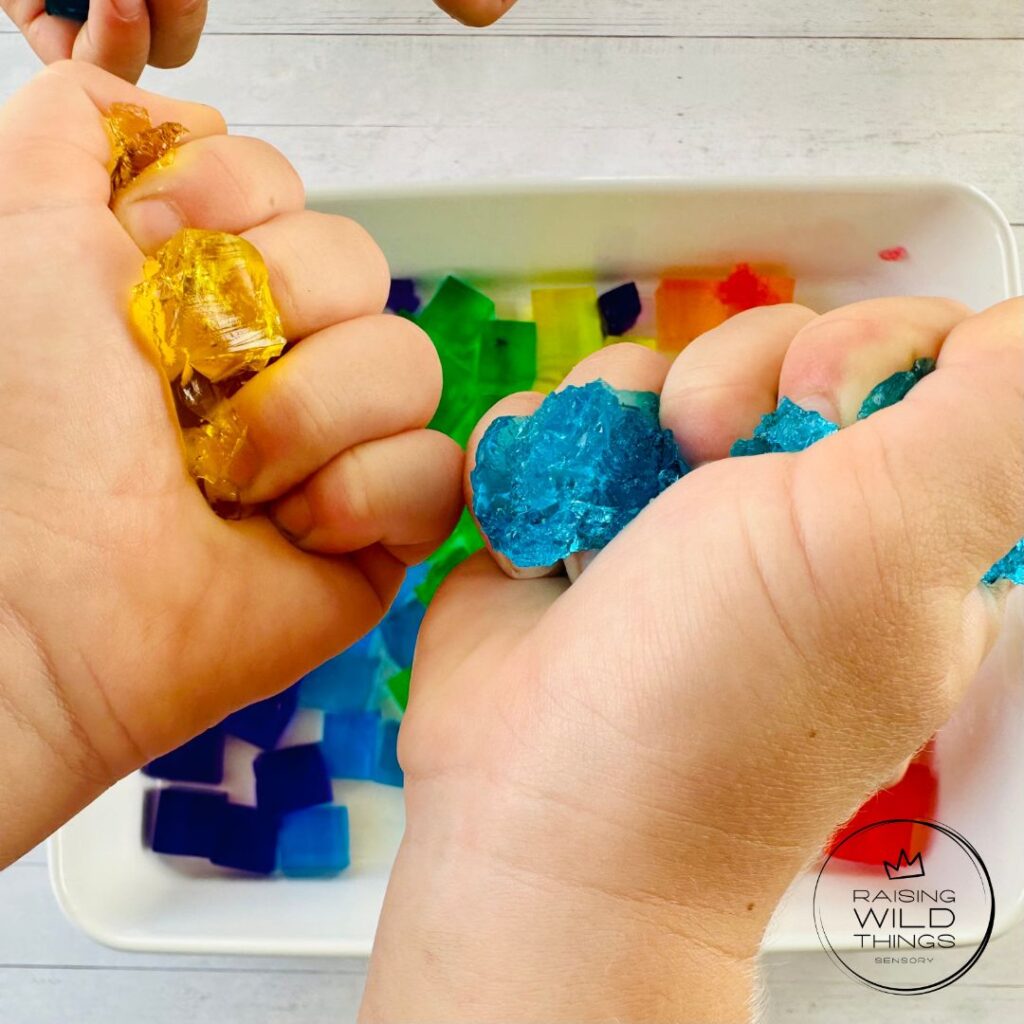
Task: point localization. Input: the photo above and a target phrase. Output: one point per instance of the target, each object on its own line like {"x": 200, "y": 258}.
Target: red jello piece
{"x": 745, "y": 288}
{"x": 915, "y": 796}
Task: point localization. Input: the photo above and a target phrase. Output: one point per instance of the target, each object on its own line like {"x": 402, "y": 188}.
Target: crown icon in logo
{"x": 905, "y": 867}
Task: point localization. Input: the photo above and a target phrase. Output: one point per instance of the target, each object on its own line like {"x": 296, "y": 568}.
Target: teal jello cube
{"x": 314, "y": 843}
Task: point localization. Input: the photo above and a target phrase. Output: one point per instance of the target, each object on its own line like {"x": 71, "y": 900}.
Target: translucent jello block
{"x": 247, "y": 840}
{"x": 314, "y": 843}
{"x": 135, "y": 143}
{"x": 454, "y": 319}
{"x": 686, "y": 308}
{"x": 568, "y": 330}
{"x": 199, "y": 760}
{"x": 914, "y": 797}
{"x": 387, "y": 769}
{"x": 291, "y": 778}
{"x": 345, "y": 683}
{"x": 508, "y": 360}
{"x": 262, "y": 724}
{"x": 350, "y": 744}
{"x": 620, "y": 309}
{"x": 185, "y": 822}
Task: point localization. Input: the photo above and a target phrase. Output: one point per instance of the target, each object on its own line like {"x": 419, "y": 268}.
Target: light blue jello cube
{"x": 314, "y": 843}
{"x": 345, "y": 683}
{"x": 351, "y": 743}
{"x": 387, "y": 769}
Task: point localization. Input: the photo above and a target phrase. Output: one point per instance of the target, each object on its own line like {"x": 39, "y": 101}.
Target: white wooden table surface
{"x": 362, "y": 91}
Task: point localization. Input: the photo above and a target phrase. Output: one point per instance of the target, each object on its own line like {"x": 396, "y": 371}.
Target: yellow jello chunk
{"x": 568, "y": 329}
{"x": 632, "y": 340}
{"x": 212, "y": 448}
{"x": 136, "y": 144}
{"x": 205, "y": 304}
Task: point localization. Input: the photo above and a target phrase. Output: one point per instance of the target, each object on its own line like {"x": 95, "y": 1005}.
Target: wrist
{"x": 505, "y": 907}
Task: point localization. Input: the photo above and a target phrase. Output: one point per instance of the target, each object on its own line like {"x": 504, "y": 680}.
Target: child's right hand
{"x": 610, "y": 785}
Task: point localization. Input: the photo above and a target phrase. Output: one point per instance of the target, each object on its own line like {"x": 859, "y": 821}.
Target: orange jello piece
{"x": 691, "y": 302}
{"x": 136, "y": 144}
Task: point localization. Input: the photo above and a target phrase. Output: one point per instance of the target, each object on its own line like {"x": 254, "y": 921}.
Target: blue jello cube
{"x": 402, "y": 297}
{"x": 199, "y": 760}
{"x": 387, "y": 769}
{"x": 263, "y": 723}
{"x": 314, "y": 843}
{"x": 292, "y": 778}
{"x": 400, "y": 629}
{"x": 75, "y": 10}
{"x": 350, "y": 744}
{"x": 344, "y": 683}
{"x": 620, "y": 309}
{"x": 185, "y": 822}
{"x": 246, "y": 840}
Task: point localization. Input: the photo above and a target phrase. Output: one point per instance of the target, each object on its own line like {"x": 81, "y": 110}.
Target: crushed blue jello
{"x": 788, "y": 429}
{"x": 572, "y": 475}
{"x": 895, "y": 388}
{"x": 1009, "y": 567}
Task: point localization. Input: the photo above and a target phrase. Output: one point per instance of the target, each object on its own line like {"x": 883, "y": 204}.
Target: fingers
{"x": 723, "y": 382}
{"x": 477, "y": 13}
{"x": 115, "y": 37}
{"x": 403, "y": 492}
{"x": 838, "y": 358}
{"x": 175, "y": 28}
{"x": 54, "y": 149}
{"x": 355, "y": 382}
{"x": 221, "y": 183}
{"x": 946, "y": 465}
{"x": 51, "y": 38}
{"x": 323, "y": 270}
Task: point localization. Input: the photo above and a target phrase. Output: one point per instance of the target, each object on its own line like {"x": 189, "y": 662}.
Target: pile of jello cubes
{"x": 293, "y": 825}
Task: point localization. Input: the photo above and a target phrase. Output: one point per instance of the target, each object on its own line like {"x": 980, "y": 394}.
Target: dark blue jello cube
{"x": 620, "y": 309}
{"x": 345, "y": 683}
{"x": 350, "y": 744}
{"x": 76, "y": 10}
{"x": 292, "y": 778}
{"x": 199, "y": 760}
{"x": 386, "y": 768}
{"x": 314, "y": 843}
{"x": 184, "y": 822}
{"x": 246, "y": 840}
{"x": 402, "y": 297}
{"x": 400, "y": 628}
{"x": 263, "y": 723}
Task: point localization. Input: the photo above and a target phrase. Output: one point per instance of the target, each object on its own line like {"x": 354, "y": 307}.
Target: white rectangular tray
{"x": 829, "y": 234}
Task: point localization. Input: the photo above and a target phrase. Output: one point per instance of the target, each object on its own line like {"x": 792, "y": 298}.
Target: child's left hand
{"x": 131, "y": 617}
{"x": 120, "y": 36}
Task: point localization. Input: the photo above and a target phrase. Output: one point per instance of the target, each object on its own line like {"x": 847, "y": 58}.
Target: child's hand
{"x": 476, "y": 12}
{"x": 610, "y": 786}
{"x": 121, "y": 36}
{"x": 131, "y": 617}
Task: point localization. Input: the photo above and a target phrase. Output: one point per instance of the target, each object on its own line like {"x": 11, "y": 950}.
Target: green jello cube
{"x": 508, "y": 360}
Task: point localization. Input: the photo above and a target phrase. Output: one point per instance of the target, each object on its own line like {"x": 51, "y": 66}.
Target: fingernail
{"x": 151, "y": 222}
{"x": 819, "y": 403}
{"x": 127, "y": 10}
{"x": 294, "y": 517}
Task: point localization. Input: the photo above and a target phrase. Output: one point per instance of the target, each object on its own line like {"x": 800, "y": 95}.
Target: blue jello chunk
{"x": 263, "y": 723}
{"x": 620, "y": 309}
{"x": 403, "y": 298}
{"x": 184, "y": 822}
{"x": 572, "y": 475}
{"x": 314, "y": 843}
{"x": 291, "y": 778}
{"x": 1009, "y": 567}
{"x": 350, "y": 744}
{"x": 399, "y": 630}
{"x": 199, "y": 760}
{"x": 895, "y": 388}
{"x": 387, "y": 770}
{"x": 789, "y": 429}
{"x": 75, "y": 10}
{"x": 247, "y": 840}
{"x": 346, "y": 682}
